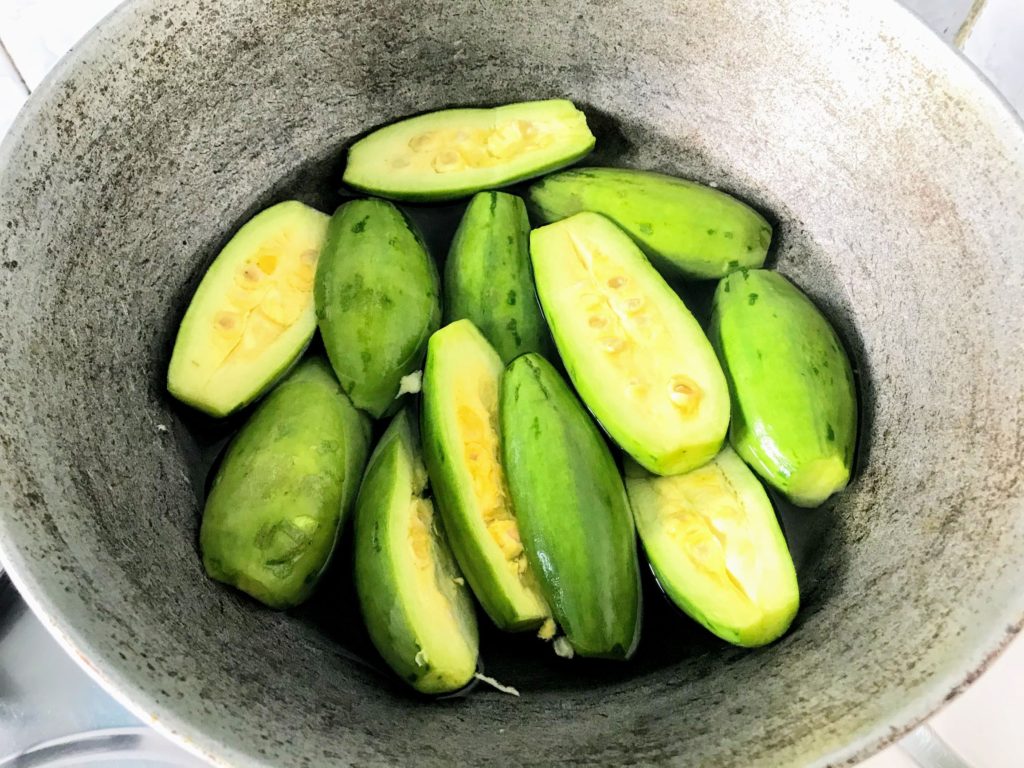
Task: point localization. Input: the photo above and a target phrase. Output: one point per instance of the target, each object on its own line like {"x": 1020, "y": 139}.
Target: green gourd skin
{"x": 377, "y": 301}
{"x": 794, "y": 414}
{"x": 572, "y": 509}
{"x": 488, "y": 278}
{"x": 284, "y": 489}
{"x": 685, "y": 228}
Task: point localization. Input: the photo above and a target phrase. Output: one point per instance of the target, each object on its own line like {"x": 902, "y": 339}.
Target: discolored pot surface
{"x": 897, "y": 183}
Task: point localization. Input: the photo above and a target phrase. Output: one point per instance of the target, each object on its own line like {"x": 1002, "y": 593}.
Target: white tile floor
{"x": 13, "y": 91}
{"x": 996, "y": 46}
{"x": 944, "y": 16}
{"x": 37, "y": 33}
{"x": 985, "y": 724}
{"x": 893, "y": 757}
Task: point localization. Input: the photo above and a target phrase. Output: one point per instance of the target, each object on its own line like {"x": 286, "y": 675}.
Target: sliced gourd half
{"x": 456, "y": 152}
{"x": 461, "y": 444}
{"x": 413, "y": 597}
{"x": 638, "y": 358}
{"x": 252, "y": 315}
{"x": 715, "y": 544}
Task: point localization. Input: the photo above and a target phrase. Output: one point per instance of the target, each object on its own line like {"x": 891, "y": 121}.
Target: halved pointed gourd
{"x": 414, "y": 601}
{"x": 638, "y": 358}
{"x": 456, "y": 152}
{"x": 715, "y": 544}
{"x": 462, "y": 448}
{"x": 252, "y": 314}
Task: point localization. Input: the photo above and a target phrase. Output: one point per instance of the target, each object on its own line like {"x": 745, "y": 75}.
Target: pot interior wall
{"x": 897, "y": 188}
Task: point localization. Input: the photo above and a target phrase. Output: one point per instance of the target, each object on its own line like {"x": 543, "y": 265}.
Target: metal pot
{"x": 897, "y": 181}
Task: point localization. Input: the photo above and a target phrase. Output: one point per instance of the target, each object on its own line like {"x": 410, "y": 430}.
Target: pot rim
{"x": 914, "y": 35}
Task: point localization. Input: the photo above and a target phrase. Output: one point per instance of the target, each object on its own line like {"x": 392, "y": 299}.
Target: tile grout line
{"x": 7, "y": 54}
{"x": 968, "y": 24}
